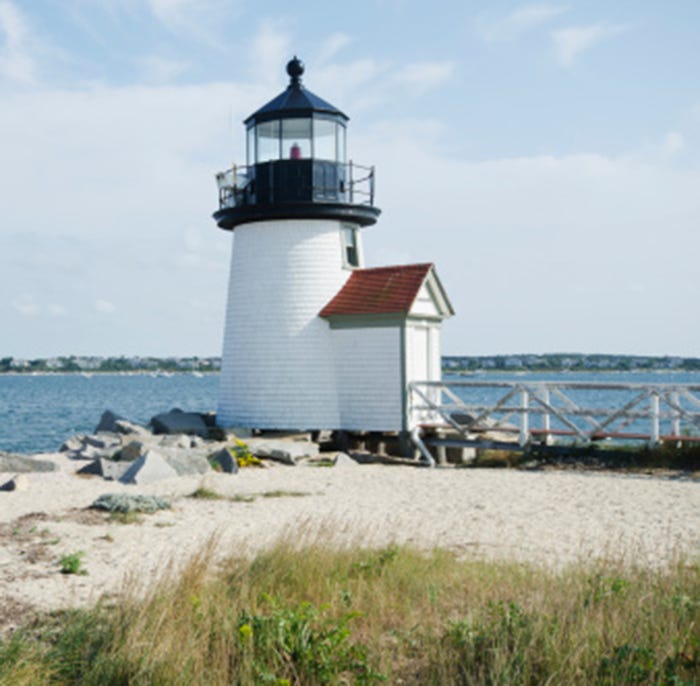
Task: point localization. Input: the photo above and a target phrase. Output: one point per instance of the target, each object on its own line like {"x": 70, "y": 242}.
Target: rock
{"x": 9, "y": 462}
{"x": 18, "y": 482}
{"x": 92, "y": 446}
{"x": 108, "y": 421}
{"x": 107, "y": 469}
{"x": 105, "y": 440}
{"x": 176, "y": 441}
{"x": 185, "y": 463}
{"x": 178, "y": 422}
{"x": 130, "y": 452}
{"x": 344, "y": 460}
{"x": 225, "y": 461}
{"x": 127, "y": 428}
{"x": 125, "y": 502}
{"x": 209, "y": 419}
{"x": 73, "y": 444}
{"x": 148, "y": 468}
{"x": 288, "y": 452}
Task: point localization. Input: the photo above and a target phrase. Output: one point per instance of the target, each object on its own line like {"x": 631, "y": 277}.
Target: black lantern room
{"x": 296, "y": 165}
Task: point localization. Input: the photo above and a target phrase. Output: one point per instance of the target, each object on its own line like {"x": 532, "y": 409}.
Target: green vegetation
{"x": 284, "y": 494}
{"x": 319, "y": 615}
{"x": 550, "y": 362}
{"x": 72, "y": 563}
{"x": 557, "y": 362}
{"x": 126, "y": 503}
{"x": 203, "y": 493}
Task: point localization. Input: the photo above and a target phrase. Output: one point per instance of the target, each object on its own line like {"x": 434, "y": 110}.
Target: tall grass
{"x": 318, "y": 614}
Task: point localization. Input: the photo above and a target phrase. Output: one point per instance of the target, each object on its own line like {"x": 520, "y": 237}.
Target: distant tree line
{"x": 94, "y": 364}
{"x": 569, "y": 361}
{"x": 452, "y": 363}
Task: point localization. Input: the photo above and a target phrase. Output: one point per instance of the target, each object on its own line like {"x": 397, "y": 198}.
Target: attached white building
{"x": 385, "y": 325}
{"x": 313, "y": 340}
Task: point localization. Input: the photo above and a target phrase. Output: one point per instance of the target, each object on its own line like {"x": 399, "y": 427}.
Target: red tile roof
{"x": 378, "y": 291}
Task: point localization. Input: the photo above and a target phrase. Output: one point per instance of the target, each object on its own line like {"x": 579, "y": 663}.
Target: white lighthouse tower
{"x": 295, "y": 210}
{"x": 314, "y": 340}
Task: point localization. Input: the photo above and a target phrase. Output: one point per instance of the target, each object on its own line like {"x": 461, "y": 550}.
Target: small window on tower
{"x": 351, "y": 252}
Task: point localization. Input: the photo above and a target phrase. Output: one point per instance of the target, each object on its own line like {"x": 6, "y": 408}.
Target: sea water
{"x": 38, "y": 413}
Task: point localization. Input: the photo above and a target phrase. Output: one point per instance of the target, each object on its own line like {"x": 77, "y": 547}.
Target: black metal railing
{"x": 296, "y": 181}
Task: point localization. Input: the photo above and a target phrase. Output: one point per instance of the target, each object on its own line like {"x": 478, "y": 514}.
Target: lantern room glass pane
{"x": 325, "y": 147}
{"x": 296, "y": 139}
{"x": 340, "y": 144}
{"x": 250, "y": 146}
{"x": 268, "y": 141}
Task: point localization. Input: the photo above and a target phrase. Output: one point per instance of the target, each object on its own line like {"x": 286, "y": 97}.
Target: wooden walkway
{"x": 519, "y": 413}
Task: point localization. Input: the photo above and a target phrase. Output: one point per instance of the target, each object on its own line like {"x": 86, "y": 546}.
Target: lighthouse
{"x": 314, "y": 340}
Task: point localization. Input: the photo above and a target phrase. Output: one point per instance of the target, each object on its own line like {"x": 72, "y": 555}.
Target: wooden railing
{"x": 545, "y": 411}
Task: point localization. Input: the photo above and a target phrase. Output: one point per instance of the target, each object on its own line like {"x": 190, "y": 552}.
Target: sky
{"x": 545, "y": 156}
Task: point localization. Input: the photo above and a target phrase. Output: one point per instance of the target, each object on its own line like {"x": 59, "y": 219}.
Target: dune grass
{"x": 319, "y": 614}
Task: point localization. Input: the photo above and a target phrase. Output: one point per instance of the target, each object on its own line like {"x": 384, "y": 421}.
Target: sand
{"x": 549, "y": 518}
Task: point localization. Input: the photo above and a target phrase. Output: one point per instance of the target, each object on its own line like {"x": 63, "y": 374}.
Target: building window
{"x": 351, "y": 250}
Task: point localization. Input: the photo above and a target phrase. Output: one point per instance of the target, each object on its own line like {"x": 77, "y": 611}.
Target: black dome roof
{"x": 295, "y": 101}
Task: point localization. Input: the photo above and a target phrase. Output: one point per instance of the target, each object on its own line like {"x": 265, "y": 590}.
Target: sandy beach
{"x": 546, "y": 517}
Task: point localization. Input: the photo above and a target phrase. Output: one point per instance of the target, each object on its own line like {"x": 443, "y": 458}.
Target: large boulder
{"x": 148, "y": 468}
{"x": 130, "y": 452}
{"x": 178, "y": 422}
{"x": 20, "y": 464}
{"x": 74, "y": 444}
{"x": 288, "y": 452}
{"x": 90, "y": 447}
{"x": 176, "y": 441}
{"x": 185, "y": 462}
{"x": 344, "y": 460}
{"x": 108, "y": 421}
{"x": 107, "y": 469}
{"x": 224, "y": 461}
{"x": 127, "y": 428}
{"x": 17, "y": 483}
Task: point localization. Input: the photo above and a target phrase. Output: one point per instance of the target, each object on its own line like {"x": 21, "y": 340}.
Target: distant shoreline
{"x": 456, "y": 364}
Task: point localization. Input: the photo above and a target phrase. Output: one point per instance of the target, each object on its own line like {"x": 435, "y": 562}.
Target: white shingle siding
{"x": 368, "y": 373}
{"x": 278, "y": 366}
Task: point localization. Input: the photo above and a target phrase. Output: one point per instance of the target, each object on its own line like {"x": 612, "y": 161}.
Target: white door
{"x": 421, "y": 369}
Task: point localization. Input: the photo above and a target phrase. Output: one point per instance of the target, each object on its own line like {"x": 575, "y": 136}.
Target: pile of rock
{"x": 174, "y": 443}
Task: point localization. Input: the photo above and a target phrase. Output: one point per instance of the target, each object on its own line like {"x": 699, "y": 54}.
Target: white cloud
{"x": 542, "y": 253}
{"x": 26, "y": 305}
{"x": 201, "y": 19}
{"x": 56, "y": 310}
{"x": 673, "y": 142}
{"x": 570, "y": 42}
{"x": 519, "y": 21}
{"x": 422, "y": 76}
{"x": 158, "y": 69}
{"x": 270, "y": 51}
{"x": 332, "y": 46}
{"x": 104, "y": 306}
{"x": 16, "y": 63}
{"x": 176, "y": 13}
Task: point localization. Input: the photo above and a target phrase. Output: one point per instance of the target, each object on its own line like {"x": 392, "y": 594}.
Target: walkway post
{"x": 676, "y": 417}
{"x": 524, "y": 428}
{"x": 546, "y": 419}
{"x": 654, "y": 413}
